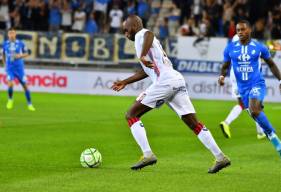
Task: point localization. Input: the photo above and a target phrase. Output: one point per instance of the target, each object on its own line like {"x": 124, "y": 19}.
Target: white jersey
{"x": 163, "y": 67}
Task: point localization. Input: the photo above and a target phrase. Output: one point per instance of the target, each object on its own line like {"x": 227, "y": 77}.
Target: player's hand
{"x": 147, "y": 63}
{"x": 118, "y": 85}
{"x": 221, "y": 80}
{"x": 18, "y": 56}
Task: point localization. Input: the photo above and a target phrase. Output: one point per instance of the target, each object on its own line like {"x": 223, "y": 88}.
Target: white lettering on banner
{"x": 51, "y": 44}
{"x": 206, "y": 87}
{"x": 98, "y": 82}
{"x": 100, "y": 50}
{"x": 199, "y": 66}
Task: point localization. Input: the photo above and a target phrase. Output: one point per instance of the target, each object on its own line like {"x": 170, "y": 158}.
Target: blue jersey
{"x": 245, "y": 60}
{"x": 10, "y": 49}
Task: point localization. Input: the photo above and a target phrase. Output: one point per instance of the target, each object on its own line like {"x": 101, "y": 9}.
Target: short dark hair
{"x": 11, "y": 29}
{"x": 245, "y": 22}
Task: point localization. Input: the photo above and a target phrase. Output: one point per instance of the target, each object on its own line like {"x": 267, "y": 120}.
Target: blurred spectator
{"x": 131, "y": 9}
{"x": 15, "y": 13}
{"x": 40, "y": 15}
{"x": 163, "y": 29}
{"x": 276, "y": 23}
{"x": 185, "y": 9}
{"x": 155, "y": 8}
{"x": 215, "y": 12}
{"x": 197, "y": 10}
{"x": 115, "y": 16}
{"x": 100, "y": 8}
{"x": 187, "y": 28}
{"x": 205, "y": 27}
{"x": 208, "y": 17}
{"x": 231, "y": 29}
{"x": 174, "y": 18}
{"x": 54, "y": 15}
{"x": 91, "y": 25}
{"x": 4, "y": 15}
{"x": 88, "y": 6}
{"x": 259, "y": 29}
{"x": 66, "y": 13}
{"x": 79, "y": 20}
{"x": 143, "y": 11}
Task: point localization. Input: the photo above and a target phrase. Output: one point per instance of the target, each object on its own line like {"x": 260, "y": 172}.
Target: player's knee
{"x": 10, "y": 84}
{"x": 255, "y": 112}
{"x": 129, "y": 116}
{"x": 190, "y": 120}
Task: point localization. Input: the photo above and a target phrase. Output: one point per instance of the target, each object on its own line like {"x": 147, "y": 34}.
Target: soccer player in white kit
{"x": 237, "y": 109}
{"x": 168, "y": 87}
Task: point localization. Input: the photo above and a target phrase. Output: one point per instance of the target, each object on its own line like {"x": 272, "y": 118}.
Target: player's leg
{"x": 255, "y": 107}
{"x": 137, "y": 128}
{"x": 153, "y": 97}
{"x": 10, "y": 102}
{"x": 28, "y": 97}
{"x": 139, "y": 134}
{"x": 11, "y": 77}
{"x": 260, "y": 133}
{"x": 234, "y": 113}
{"x": 206, "y": 138}
{"x": 182, "y": 105}
{"x": 144, "y": 103}
{"x": 22, "y": 79}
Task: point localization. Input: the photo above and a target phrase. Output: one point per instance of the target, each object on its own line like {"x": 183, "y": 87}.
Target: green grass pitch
{"x": 39, "y": 151}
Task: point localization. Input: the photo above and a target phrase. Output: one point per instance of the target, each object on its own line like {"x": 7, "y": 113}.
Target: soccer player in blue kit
{"x": 14, "y": 51}
{"x": 244, "y": 56}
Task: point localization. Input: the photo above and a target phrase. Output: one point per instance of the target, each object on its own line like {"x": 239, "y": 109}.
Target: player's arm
{"x": 4, "y": 59}
{"x": 225, "y": 66}
{"x": 119, "y": 85}
{"x": 24, "y": 54}
{"x": 223, "y": 73}
{"x": 274, "y": 69}
{"x": 265, "y": 54}
{"x": 21, "y": 55}
{"x": 147, "y": 43}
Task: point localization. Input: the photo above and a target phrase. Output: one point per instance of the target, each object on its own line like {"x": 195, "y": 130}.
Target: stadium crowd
{"x": 164, "y": 17}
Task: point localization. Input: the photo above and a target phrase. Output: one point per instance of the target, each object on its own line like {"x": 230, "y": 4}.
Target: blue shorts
{"x": 17, "y": 73}
{"x": 255, "y": 92}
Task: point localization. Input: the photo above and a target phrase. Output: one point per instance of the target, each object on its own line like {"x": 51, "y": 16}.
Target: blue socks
{"x": 262, "y": 120}
{"x": 269, "y": 131}
{"x": 28, "y": 97}
{"x": 10, "y": 92}
{"x": 275, "y": 141}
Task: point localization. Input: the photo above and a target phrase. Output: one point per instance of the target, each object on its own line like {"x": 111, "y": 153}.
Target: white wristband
{"x": 280, "y": 82}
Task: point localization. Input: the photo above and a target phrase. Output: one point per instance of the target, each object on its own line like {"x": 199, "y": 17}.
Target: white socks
{"x": 203, "y": 134}
{"x": 234, "y": 113}
{"x": 259, "y": 129}
{"x": 208, "y": 141}
{"x": 139, "y": 134}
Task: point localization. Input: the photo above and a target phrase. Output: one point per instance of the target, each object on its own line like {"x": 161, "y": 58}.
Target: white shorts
{"x": 172, "y": 92}
{"x": 235, "y": 92}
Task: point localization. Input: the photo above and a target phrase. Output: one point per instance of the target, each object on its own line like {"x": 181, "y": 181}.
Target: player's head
{"x": 12, "y": 34}
{"x": 131, "y": 26}
{"x": 243, "y": 30}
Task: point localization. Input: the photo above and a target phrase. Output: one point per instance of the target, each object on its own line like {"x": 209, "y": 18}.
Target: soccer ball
{"x": 90, "y": 158}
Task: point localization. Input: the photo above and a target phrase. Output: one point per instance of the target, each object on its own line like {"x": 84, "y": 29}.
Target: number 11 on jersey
{"x": 244, "y": 76}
